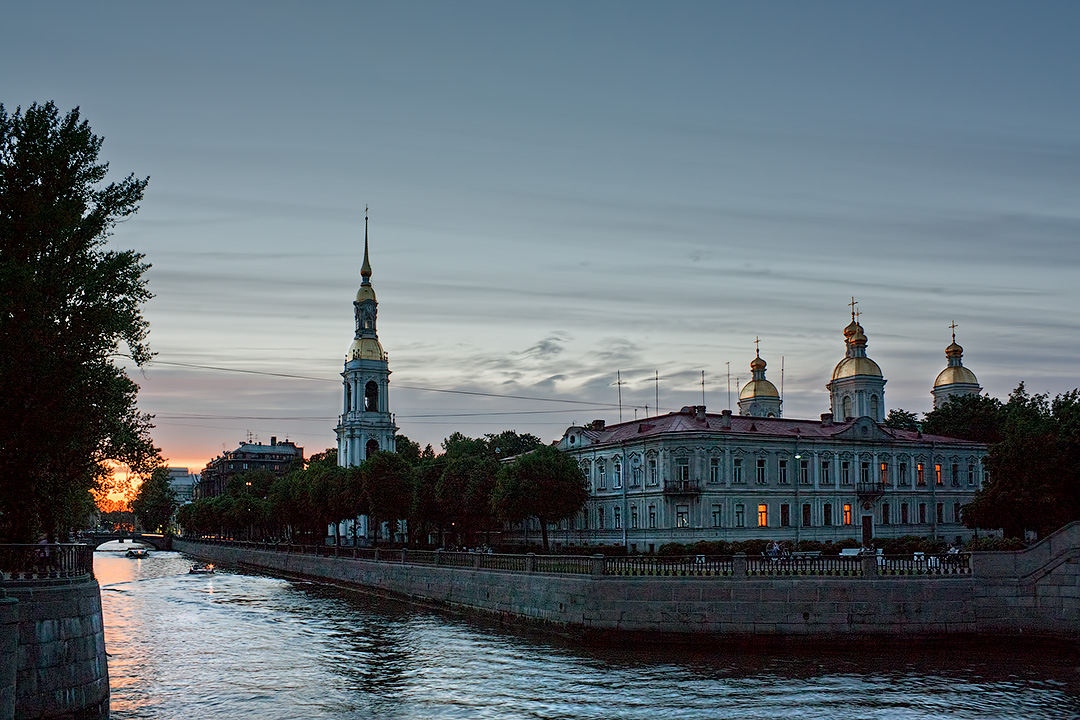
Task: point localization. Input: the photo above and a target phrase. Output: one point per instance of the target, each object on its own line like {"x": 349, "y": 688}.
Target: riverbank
{"x": 1034, "y": 592}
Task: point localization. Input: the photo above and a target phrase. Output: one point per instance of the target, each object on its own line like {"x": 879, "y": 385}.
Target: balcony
{"x": 870, "y": 491}
{"x": 682, "y": 487}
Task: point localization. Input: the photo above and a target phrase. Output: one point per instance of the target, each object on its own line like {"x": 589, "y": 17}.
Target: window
{"x": 825, "y": 473}
{"x": 585, "y": 519}
{"x": 847, "y": 514}
{"x": 845, "y": 472}
{"x": 884, "y": 473}
{"x": 903, "y": 514}
{"x": 740, "y": 515}
{"x": 826, "y": 514}
{"x": 956, "y": 474}
{"x": 884, "y": 513}
{"x": 371, "y": 397}
{"x": 804, "y": 472}
{"x": 783, "y": 472}
{"x": 761, "y": 471}
{"x": 922, "y": 513}
{"x": 847, "y": 407}
{"x": 920, "y": 473}
{"x": 971, "y": 474}
{"x": 600, "y": 518}
{"x": 714, "y": 470}
{"x": 874, "y": 407}
{"x": 616, "y": 517}
{"x": 652, "y": 471}
{"x": 682, "y": 516}
{"x": 736, "y": 471}
{"x": 864, "y": 475}
{"x": 601, "y": 477}
{"x": 785, "y": 515}
{"x": 682, "y": 469}
{"x": 956, "y": 511}
{"x": 652, "y": 517}
{"x": 716, "y": 516}
{"x": 763, "y": 516}
{"x": 806, "y": 515}
{"x": 633, "y": 517}
{"x": 635, "y": 476}
{"x": 937, "y": 473}
{"x": 617, "y": 467}
{"x": 940, "y": 513}
{"x": 903, "y": 473}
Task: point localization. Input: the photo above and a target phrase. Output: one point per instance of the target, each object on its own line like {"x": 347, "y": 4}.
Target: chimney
{"x": 725, "y": 421}
{"x": 273, "y": 439}
{"x": 826, "y": 419}
{"x": 699, "y": 412}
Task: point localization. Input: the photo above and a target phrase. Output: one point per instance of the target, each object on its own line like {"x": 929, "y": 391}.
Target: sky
{"x": 562, "y": 194}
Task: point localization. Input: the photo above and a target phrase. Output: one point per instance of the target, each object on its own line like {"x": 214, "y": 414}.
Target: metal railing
{"x": 41, "y": 563}
{"x": 808, "y": 565}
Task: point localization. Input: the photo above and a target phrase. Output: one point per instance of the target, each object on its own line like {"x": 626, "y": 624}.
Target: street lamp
{"x": 798, "y": 482}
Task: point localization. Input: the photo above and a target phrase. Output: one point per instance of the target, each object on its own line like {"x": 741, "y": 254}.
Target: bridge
{"x": 158, "y": 542}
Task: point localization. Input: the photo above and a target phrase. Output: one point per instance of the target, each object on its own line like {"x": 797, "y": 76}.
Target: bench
{"x": 850, "y": 552}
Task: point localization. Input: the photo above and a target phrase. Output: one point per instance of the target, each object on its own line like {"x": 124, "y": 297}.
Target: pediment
{"x": 864, "y": 430}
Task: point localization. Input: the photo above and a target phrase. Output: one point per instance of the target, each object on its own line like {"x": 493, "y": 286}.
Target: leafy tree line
{"x": 1033, "y": 460}
{"x": 459, "y": 496}
{"x": 68, "y": 308}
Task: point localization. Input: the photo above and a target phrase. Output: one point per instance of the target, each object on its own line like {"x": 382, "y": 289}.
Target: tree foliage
{"x": 546, "y": 484}
{"x": 968, "y": 417}
{"x": 902, "y": 420}
{"x": 68, "y": 306}
{"x": 155, "y": 501}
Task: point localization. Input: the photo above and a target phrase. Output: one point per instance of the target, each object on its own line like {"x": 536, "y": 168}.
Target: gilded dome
{"x": 366, "y": 292}
{"x": 757, "y": 363}
{"x": 852, "y": 366}
{"x": 366, "y": 349}
{"x": 954, "y": 350}
{"x": 955, "y": 374}
{"x": 852, "y": 328}
{"x": 758, "y": 388}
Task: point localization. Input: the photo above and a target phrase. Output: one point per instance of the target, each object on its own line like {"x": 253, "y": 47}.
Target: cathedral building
{"x": 693, "y": 475}
{"x": 366, "y": 424}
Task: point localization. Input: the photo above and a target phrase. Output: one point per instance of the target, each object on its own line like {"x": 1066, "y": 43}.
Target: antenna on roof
{"x": 781, "y": 386}
{"x": 657, "y": 391}
{"x": 618, "y": 381}
{"x": 728, "y": 385}
{"x": 702, "y": 388}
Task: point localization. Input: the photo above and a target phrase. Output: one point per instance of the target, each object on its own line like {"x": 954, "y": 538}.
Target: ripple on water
{"x": 236, "y": 646}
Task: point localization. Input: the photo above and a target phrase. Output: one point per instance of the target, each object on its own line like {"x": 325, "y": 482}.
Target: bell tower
{"x": 366, "y": 425}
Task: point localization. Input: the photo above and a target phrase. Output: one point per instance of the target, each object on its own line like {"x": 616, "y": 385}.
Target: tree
{"x": 902, "y": 420}
{"x": 387, "y": 479}
{"x": 546, "y": 484}
{"x": 1035, "y": 468}
{"x": 968, "y": 417}
{"x": 67, "y": 309}
{"x": 155, "y": 501}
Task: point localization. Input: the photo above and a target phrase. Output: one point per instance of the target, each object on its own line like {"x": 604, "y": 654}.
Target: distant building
{"x": 182, "y": 483}
{"x": 692, "y": 475}
{"x": 277, "y": 457}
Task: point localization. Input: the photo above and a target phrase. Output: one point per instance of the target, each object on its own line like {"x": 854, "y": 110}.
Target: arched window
{"x": 372, "y": 447}
{"x": 371, "y": 397}
{"x": 847, "y": 407}
{"x": 873, "y": 407}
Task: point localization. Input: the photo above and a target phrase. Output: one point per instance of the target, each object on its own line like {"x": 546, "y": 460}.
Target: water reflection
{"x": 235, "y": 645}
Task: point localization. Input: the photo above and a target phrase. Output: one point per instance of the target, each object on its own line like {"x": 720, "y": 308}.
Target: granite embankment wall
{"x": 52, "y": 640}
{"x": 1036, "y": 591}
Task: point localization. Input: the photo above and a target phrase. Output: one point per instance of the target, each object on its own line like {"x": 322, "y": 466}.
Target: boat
{"x": 137, "y": 553}
{"x": 201, "y": 570}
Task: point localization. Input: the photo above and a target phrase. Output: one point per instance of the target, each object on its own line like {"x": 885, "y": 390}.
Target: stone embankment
{"x": 1031, "y": 592}
{"x": 52, "y": 640}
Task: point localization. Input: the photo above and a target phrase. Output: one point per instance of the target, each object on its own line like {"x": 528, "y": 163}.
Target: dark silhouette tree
{"x": 154, "y": 501}
{"x": 902, "y": 420}
{"x": 68, "y": 308}
{"x": 546, "y": 484}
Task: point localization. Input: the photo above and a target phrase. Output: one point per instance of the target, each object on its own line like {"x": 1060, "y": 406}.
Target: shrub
{"x": 996, "y": 544}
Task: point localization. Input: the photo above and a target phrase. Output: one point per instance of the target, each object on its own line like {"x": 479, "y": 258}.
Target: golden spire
{"x": 365, "y": 269}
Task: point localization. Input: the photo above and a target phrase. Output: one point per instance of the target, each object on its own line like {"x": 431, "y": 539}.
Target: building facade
{"x": 277, "y": 457}
{"x": 693, "y": 475}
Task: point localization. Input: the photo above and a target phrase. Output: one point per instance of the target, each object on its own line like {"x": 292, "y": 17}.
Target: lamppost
{"x": 798, "y": 482}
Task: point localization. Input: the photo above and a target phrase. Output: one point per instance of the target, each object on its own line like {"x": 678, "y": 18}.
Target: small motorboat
{"x": 201, "y": 570}
{"x": 137, "y": 553}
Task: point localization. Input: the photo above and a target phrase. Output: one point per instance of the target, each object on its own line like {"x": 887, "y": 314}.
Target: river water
{"x": 242, "y": 645}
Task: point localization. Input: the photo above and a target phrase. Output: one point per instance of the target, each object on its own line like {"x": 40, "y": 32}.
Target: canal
{"x": 242, "y": 645}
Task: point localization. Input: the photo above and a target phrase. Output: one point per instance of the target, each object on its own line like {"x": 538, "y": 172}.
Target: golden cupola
{"x": 857, "y": 388}
{"x": 366, "y": 345}
{"x": 955, "y": 379}
{"x": 759, "y": 397}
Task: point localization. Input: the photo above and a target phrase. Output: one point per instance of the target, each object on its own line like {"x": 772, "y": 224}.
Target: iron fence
{"x": 44, "y": 562}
